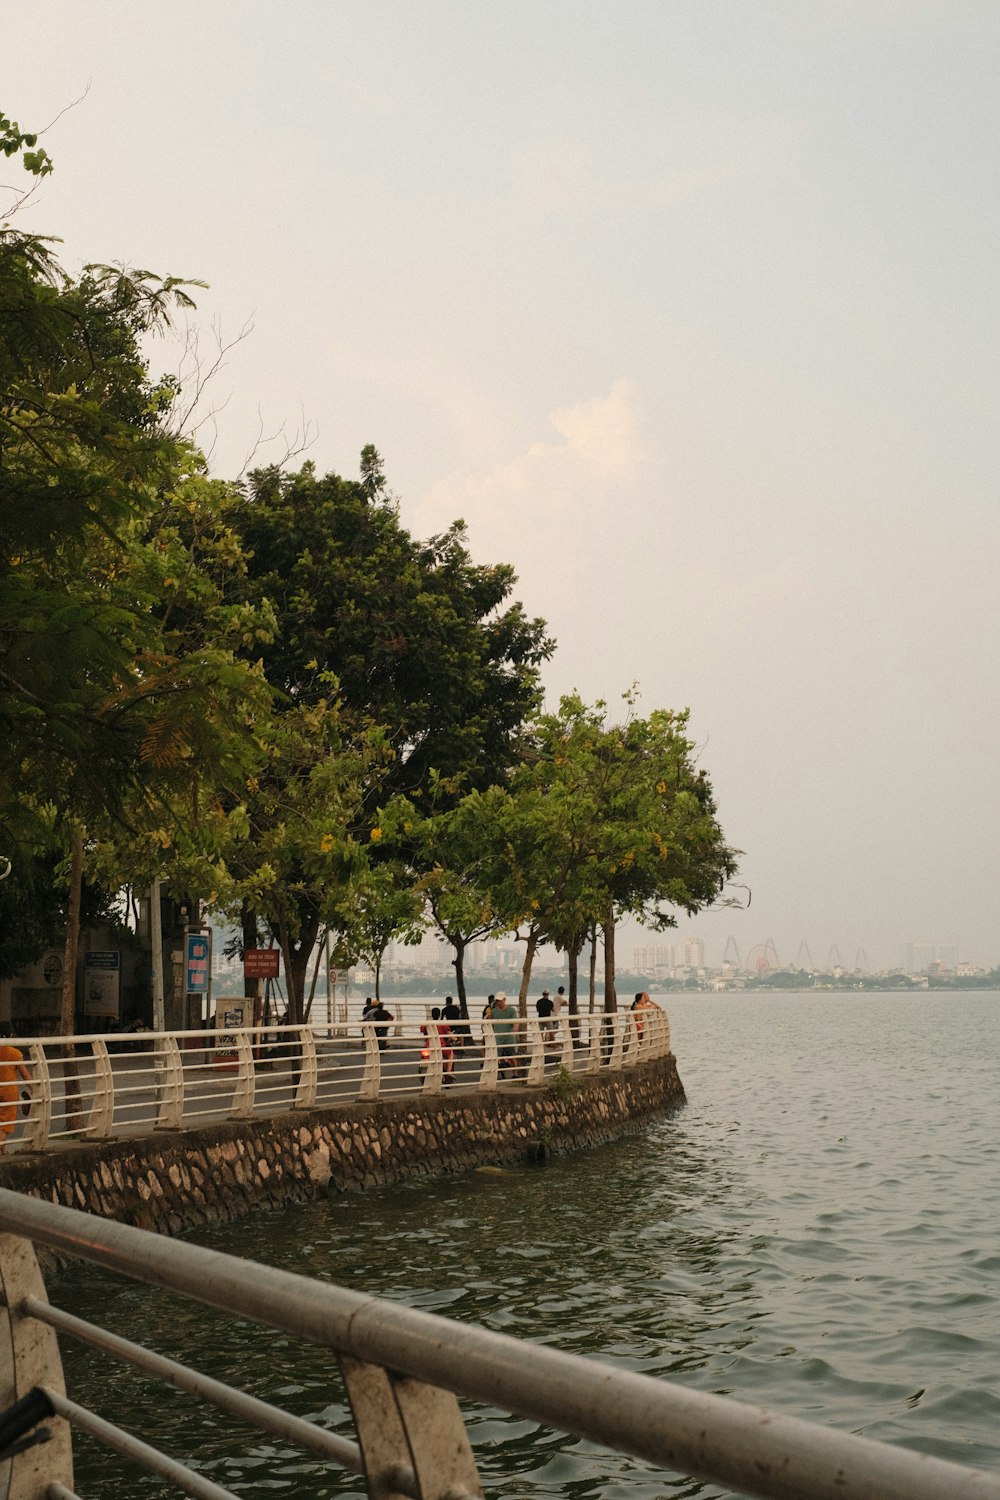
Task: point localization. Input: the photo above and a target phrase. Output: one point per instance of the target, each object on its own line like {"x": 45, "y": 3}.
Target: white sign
{"x": 101, "y": 984}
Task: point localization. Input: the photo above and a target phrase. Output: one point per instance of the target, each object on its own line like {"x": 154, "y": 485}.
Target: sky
{"x": 688, "y": 308}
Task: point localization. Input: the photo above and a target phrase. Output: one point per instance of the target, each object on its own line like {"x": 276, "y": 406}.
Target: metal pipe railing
{"x": 758, "y": 1452}
{"x": 250, "y": 1409}
{"x": 143, "y": 1454}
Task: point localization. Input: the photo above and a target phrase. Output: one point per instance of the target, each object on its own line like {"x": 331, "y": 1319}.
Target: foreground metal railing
{"x": 96, "y": 1086}
{"x": 402, "y": 1371}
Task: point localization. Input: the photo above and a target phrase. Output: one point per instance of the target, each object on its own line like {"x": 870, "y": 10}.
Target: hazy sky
{"x": 689, "y": 309}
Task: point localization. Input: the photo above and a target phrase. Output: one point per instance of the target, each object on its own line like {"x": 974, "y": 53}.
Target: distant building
{"x": 923, "y": 958}
{"x": 653, "y": 958}
{"x": 694, "y": 953}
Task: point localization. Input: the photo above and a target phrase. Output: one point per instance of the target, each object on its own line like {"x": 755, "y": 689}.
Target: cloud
{"x": 541, "y": 509}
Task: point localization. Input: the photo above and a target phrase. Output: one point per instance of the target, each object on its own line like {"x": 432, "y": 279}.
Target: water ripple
{"x": 815, "y": 1232}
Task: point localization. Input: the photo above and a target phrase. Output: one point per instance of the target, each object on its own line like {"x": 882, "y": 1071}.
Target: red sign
{"x": 261, "y": 963}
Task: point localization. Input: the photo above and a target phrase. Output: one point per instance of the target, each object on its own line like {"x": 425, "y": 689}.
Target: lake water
{"x": 816, "y": 1230}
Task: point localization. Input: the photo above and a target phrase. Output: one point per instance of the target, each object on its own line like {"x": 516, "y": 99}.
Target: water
{"x": 815, "y": 1231}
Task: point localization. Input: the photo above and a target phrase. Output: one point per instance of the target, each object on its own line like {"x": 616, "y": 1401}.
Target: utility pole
{"x": 156, "y": 939}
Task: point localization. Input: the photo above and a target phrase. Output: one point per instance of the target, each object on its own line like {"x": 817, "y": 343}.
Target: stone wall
{"x": 174, "y": 1180}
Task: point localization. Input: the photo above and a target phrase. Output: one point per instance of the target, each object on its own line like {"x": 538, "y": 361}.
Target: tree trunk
{"x": 320, "y": 949}
{"x": 297, "y": 956}
{"x": 573, "y": 964}
{"x": 67, "y": 1009}
{"x": 288, "y": 959}
{"x": 295, "y": 985}
{"x": 250, "y": 931}
{"x": 529, "y": 958}
{"x": 459, "y": 944}
{"x": 610, "y": 997}
{"x": 593, "y": 968}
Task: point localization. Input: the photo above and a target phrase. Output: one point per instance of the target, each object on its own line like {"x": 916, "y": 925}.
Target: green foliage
{"x": 605, "y": 813}
{"x": 123, "y": 701}
{"x": 420, "y": 638}
{"x": 563, "y": 1085}
{"x": 13, "y": 139}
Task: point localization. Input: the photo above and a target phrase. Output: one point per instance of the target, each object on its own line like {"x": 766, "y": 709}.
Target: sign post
{"x": 156, "y": 941}
{"x": 197, "y": 968}
{"x": 260, "y": 964}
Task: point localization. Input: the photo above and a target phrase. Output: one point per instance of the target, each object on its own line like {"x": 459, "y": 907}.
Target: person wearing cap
{"x": 504, "y": 1023}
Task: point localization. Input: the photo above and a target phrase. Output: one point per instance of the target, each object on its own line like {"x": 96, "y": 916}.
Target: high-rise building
{"x": 694, "y": 953}
{"x": 653, "y": 958}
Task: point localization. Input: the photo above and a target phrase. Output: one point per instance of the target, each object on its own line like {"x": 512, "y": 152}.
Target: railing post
{"x": 305, "y": 1094}
{"x": 593, "y": 1063}
{"x": 434, "y": 1076}
{"x": 564, "y": 1056}
{"x": 409, "y": 1433}
{"x": 615, "y": 1021}
{"x": 371, "y": 1081}
{"x": 102, "y": 1111}
{"x": 633, "y": 1040}
{"x": 29, "y": 1356}
{"x": 35, "y": 1136}
{"x": 171, "y": 1082}
{"x": 243, "y": 1094}
{"x": 490, "y": 1073}
{"x": 536, "y": 1053}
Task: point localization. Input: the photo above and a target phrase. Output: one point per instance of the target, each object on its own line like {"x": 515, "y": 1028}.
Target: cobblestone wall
{"x": 174, "y": 1180}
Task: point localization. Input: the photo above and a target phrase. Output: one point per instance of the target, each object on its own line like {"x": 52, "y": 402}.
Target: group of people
{"x": 376, "y": 1014}
{"x": 455, "y": 1033}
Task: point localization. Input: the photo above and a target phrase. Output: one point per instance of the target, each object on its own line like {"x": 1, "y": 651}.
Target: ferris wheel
{"x": 763, "y": 959}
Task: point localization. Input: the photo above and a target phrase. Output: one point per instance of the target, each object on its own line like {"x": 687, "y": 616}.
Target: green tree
{"x": 603, "y": 819}
{"x": 449, "y": 847}
{"x": 111, "y": 716}
{"x": 309, "y": 811}
{"x": 420, "y": 641}
{"x": 384, "y": 906}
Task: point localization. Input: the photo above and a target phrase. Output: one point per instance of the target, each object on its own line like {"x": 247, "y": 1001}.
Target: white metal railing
{"x": 402, "y": 1371}
{"x": 93, "y": 1087}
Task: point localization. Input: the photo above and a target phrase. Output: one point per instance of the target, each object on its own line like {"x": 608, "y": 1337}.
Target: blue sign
{"x": 197, "y": 961}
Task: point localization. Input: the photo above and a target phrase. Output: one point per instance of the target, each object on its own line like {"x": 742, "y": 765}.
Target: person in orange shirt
{"x": 11, "y": 1068}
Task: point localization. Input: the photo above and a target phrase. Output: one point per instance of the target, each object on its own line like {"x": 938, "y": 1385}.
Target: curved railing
{"x": 403, "y": 1371}
{"x": 124, "y": 1084}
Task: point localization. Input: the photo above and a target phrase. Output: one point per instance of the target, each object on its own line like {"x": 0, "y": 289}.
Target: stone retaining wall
{"x": 174, "y": 1180}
